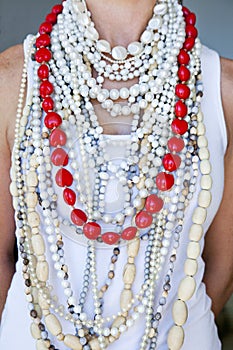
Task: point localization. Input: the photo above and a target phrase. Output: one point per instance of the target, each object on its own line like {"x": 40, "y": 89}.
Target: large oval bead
{"x": 78, "y": 217}
{"x": 57, "y": 138}
{"x": 164, "y": 181}
{"x": 110, "y": 238}
{"x": 184, "y": 73}
{"x": 129, "y": 233}
{"x": 179, "y": 312}
{"x": 72, "y": 342}
{"x": 59, "y": 157}
{"x": 42, "y": 271}
{"x": 189, "y": 43}
{"x": 186, "y": 288}
{"x": 175, "y": 338}
{"x": 53, "y": 324}
{"x": 103, "y": 46}
{"x": 43, "y": 72}
{"x": 153, "y": 204}
{"x": 119, "y": 53}
{"x": 135, "y": 48}
{"x": 52, "y": 120}
{"x": 190, "y": 267}
{"x": 92, "y": 230}
{"x": 183, "y": 57}
{"x": 143, "y": 219}
{"x": 64, "y": 178}
{"x": 181, "y": 109}
{"x": 69, "y": 196}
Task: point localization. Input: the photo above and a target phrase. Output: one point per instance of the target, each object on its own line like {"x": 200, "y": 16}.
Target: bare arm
{"x": 218, "y": 253}
{"x": 10, "y": 71}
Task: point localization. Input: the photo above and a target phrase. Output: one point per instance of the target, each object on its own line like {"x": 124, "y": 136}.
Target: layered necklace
{"x": 62, "y": 155}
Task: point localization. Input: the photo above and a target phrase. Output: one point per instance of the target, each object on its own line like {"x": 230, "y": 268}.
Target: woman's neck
{"x": 120, "y": 21}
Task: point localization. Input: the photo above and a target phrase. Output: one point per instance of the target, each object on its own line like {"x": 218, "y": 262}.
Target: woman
{"x": 117, "y": 171}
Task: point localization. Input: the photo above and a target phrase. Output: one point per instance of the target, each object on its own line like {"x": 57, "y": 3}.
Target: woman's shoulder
{"x": 11, "y": 67}
{"x": 227, "y": 95}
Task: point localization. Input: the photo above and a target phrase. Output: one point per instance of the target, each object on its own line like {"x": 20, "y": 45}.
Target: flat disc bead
{"x": 190, "y": 267}
{"x": 119, "y": 53}
{"x": 204, "y": 199}
{"x": 175, "y": 338}
{"x": 186, "y": 288}
{"x": 179, "y": 312}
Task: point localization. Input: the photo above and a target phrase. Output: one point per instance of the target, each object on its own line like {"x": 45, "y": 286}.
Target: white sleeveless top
{"x": 200, "y": 329}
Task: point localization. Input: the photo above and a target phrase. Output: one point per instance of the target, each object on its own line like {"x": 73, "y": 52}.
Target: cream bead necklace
{"x": 32, "y": 245}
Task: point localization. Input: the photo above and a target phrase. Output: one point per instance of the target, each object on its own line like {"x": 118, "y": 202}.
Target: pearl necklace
{"x": 36, "y": 271}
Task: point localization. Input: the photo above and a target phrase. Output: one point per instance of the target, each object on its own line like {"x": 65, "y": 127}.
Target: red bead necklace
{"x": 171, "y": 161}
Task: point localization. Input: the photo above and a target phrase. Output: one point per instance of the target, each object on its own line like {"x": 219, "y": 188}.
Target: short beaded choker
{"x": 62, "y": 154}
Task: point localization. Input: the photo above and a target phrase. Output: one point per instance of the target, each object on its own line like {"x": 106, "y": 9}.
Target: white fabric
{"x": 200, "y": 329}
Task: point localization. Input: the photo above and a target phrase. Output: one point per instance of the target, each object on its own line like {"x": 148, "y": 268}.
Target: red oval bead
{"x": 43, "y": 55}
{"x": 51, "y": 18}
{"x": 129, "y": 233}
{"x": 64, "y": 178}
{"x": 59, "y": 157}
{"x": 183, "y": 73}
{"x": 181, "y": 109}
{"x": 110, "y": 238}
{"x": 191, "y": 31}
{"x": 185, "y": 10}
{"x": 182, "y": 91}
{"x": 92, "y": 230}
{"x": 175, "y": 144}
{"x": 191, "y": 19}
{"x": 43, "y": 72}
{"x": 179, "y": 126}
{"x": 69, "y": 196}
{"x": 46, "y": 88}
{"x": 143, "y": 219}
{"x": 57, "y": 138}
{"x": 43, "y": 40}
{"x": 48, "y": 104}
{"x": 153, "y": 203}
{"x": 164, "y": 181}
{"x": 189, "y": 43}
{"x": 45, "y": 27}
{"x": 171, "y": 162}
{"x": 57, "y": 9}
{"x": 183, "y": 57}
{"x": 78, "y": 217}
{"x": 52, "y": 120}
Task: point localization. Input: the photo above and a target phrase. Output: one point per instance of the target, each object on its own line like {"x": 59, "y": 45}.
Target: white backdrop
{"x": 17, "y": 18}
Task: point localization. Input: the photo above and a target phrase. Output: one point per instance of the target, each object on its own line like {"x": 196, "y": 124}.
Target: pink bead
{"x": 57, "y": 138}
{"x": 175, "y": 144}
{"x": 78, "y": 217}
{"x": 164, "y": 181}
{"x": 153, "y": 204}
{"x": 92, "y": 230}
{"x": 69, "y": 196}
{"x": 64, "y": 178}
{"x": 143, "y": 219}
{"x": 110, "y": 238}
{"x": 59, "y": 157}
{"x": 171, "y": 162}
{"x": 129, "y": 233}
{"x": 52, "y": 120}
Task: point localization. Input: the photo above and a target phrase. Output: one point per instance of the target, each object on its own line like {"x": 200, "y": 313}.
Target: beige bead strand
{"x": 187, "y": 285}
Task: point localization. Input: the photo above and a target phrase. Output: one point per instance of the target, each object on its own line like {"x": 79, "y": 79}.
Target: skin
{"x": 109, "y": 17}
